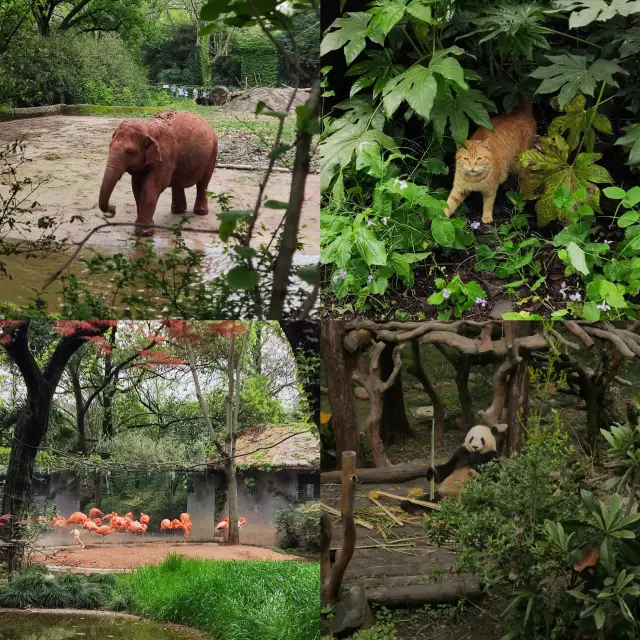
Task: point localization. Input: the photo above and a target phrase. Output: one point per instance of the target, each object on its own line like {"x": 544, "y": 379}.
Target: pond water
{"x": 63, "y": 626}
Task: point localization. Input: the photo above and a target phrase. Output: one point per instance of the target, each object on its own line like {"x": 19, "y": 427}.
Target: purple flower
{"x": 475, "y": 225}
{"x": 575, "y": 297}
{"x": 369, "y": 222}
{"x": 446, "y": 293}
{"x": 342, "y": 273}
{"x": 481, "y": 301}
{"x": 603, "y": 306}
{"x": 369, "y": 278}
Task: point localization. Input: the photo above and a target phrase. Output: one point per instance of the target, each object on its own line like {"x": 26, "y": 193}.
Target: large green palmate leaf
{"x": 518, "y": 28}
{"x": 578, "y": 122}
{"x": 349, "y": 33}
{"x": 384, "y": 19}
{"x": 630, "y": 40}
{"x": 549, "y": 169}
{"x": 631, "y": 139}
{"x": 458, "y": 110}
{"x": 418, "y": 86}
{"x": 585, "y": 12}
{"x": 570, "y": 73}
{"x": 376, "y": 71}
{"x": 358, "y": 131}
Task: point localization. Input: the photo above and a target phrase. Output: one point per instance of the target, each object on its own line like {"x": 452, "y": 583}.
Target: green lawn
{"x": 234, "y": 600}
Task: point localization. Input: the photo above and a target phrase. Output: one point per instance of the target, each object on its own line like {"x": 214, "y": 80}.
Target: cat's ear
{"x": 459, "y": 146}
{"x": 485, "y": 144}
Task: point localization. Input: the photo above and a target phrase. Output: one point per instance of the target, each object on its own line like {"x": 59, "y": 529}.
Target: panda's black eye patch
{"x": 482, "y": 440}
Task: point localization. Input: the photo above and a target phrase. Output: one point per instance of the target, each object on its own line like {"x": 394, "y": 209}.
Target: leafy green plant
{"x": 455, "y": 297}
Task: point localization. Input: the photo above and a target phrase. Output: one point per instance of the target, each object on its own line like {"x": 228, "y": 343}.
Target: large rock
{"x": 352, "y": 613}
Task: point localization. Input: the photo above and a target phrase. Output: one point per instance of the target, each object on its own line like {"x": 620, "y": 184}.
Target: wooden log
{"x": 395, "y": 473}
{"x": 419, "y": 594}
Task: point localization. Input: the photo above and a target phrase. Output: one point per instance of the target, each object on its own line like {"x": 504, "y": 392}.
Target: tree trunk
{"x": 304, "y": 338}
{"x": 230, "y": 466}
{"x": 518, "y": 402}
{"x": 417, "y": 370}
{"x": 31, "y": 428}
{"x": 109, "y": 391}
{"x": 462, "y": 383}
{"x": 394, "y": 425}
{"x": 376, "y": 445}
{"x": 80, "y": 411}
{"x": 337, "y": 370}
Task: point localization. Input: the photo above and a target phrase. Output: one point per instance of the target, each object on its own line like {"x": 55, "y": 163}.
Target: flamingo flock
{"x": 184, "y": 524}
{"x": 93, "y": 523}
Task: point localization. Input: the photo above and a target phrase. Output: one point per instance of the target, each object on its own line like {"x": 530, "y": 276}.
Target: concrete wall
{"x": 201, "y": 506}
{"x": 259, "y": 508}
{"x": 61, "y": 490}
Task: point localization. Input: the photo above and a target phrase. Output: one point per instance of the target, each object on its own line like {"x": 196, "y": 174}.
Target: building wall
{"x": 259, "y": 507}
{"x": 201, "y": 505}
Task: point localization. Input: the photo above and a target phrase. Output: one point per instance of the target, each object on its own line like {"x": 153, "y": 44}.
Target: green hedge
{"x": 259, "y": 63}
{"x": 72, "y": 70}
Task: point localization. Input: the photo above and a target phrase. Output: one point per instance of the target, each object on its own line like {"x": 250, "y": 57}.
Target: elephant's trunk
{"x": 112, "y": 174}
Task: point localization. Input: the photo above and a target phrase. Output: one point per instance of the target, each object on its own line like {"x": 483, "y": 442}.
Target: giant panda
{"x": 480, "y": 446}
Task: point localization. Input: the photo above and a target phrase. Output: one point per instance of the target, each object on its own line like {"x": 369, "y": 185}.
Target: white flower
{"x": 403, "y": 184}
{"x": 384, "y": 220}
{"x": 475, "y": 225}
{"x": 335, "y": 278}
{"x": 575, "y": 297}
{"x": 608, "y": 241}
{"x": 369, "y": 222}
{"x": 603, "y": 306}
{"x": 481, "y": 301}
{"x": 446, "y": 293}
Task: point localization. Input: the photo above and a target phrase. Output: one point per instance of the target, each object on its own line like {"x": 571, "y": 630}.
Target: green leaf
{"x": 584, "y": 12}
{"x": 229, "y": 220}
{"x": 591, "y": 312}
{"x": 465, "y": 106}
{"x": 338, "y": 251}
{"x": 377, "y": 70}
{"x": 577, "y": 258}
{"x": 628, "y": 218}
{"x": 631, "y": 139}
{"x": 372, "y": 250}
{"x": 384, "y": 19}
{"x": 549, "y": 169}
{"x": 632, "y": 198}
{"x": 579, "y": 122}
{"x": 275, "y": 204}
{"x": 417, "y": 85}
{"x": 308, "y": 273}
{"x": 615, "y": 193}
{"x": 599, "y": 617}
{"x": 349, "y": 33}
{"x": 337, "y": 149}
{"x": 607, "y": 556}
{"x": 569, "y": 73}
{"x": 443, "y": 232}
{"x": 420, "y": 11}
{"x": 242, "y": 278}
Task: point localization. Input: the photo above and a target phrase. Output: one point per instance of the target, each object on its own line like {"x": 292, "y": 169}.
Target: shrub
{"x": 258, "y": 57}
{"x": 71, "y": 70}
{"x": 298, "y": 528}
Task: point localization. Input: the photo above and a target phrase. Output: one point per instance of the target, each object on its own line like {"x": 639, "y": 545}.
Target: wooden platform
{"x": 413, "y": 569}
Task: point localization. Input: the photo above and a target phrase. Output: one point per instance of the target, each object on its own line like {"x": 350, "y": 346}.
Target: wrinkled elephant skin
{"x": 175, "y": 149}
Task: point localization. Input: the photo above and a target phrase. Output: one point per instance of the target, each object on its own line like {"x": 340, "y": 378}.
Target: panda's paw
{"x": 431, "y": 473}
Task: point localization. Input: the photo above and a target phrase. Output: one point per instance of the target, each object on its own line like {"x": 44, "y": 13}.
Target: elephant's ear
{"x": 152, "y": 151}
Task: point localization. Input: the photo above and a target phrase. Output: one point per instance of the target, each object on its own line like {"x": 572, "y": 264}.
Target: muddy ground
{"x": 107, "y": 556}
{"x": 69, "y": 154}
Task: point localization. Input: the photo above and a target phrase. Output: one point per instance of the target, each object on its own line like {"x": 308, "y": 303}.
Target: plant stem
{"x": 566, "y": 35}
{"x": 590, "y": 120}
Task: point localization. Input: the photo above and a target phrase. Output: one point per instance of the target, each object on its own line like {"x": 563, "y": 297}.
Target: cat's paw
{"x": 447, "y": 213}
{"x": 487, "y": 219}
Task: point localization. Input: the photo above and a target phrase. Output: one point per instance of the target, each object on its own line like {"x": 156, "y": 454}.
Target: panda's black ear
{"x": 495, "y": 431}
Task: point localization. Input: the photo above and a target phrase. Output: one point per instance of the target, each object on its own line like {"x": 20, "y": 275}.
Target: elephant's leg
{"x": 148, "y": 201}
{"x": 178, "y": 200}
{"x": 136, "y": 186}
{"x": 201, "y": 207}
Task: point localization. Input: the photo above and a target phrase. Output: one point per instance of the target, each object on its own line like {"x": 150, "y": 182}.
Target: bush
{"x": 71, "y": 70}
{"x": 258, "y": 57}
{"x": 299, "y": 528}
{"x": 35, "y": 587}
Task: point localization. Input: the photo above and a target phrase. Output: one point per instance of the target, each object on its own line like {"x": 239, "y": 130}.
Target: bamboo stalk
{"x": 431, "y": 505}
{"x": 335, "y": 512}
{"x": 379, "y": 504}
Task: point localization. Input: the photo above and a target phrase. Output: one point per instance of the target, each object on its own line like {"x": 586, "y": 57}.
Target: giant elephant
{"x": 174, "y": 149}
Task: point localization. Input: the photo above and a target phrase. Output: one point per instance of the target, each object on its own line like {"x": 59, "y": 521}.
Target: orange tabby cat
{"x": 490, "y": 156}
